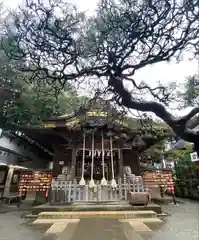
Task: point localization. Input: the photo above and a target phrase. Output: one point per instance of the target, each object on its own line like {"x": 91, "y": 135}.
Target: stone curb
{"x": 98, "y": 214}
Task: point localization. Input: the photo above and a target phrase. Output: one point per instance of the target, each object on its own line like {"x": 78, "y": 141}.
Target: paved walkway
{"x": 12, "y": 226}
{"x": 182, "y": 224}
{"x": 98, "y": 229}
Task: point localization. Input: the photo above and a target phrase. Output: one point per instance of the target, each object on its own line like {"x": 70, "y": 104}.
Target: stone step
{"x": 98, "y": 214}
{"x": 57, "y": 228}
{"x": 139, "y": 226}
{"x": 52, "y": 221}
{"x": 83, "y": 207}
{"x": 144, "y": 220}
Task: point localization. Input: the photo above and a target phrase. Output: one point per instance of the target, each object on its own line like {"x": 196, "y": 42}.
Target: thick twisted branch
{"x": 123, "y": 37}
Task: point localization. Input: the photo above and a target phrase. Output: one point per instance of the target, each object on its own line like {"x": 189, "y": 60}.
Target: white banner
{"x": 194, "y": 157}
{"x": 97, "y": 152}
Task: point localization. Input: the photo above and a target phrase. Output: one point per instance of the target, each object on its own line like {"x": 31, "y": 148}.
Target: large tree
{"x": 60, "y": 44}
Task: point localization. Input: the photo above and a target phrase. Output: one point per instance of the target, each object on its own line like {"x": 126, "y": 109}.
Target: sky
{"x": 164, "y": 72}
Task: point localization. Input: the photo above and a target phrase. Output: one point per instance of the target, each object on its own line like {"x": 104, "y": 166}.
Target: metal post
{"x": 174, "y": 199}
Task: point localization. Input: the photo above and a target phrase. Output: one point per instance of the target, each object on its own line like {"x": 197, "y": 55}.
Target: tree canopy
{"x": 30, "y": 102}
{"x": 180, "y": 154}
{"x": 154, "y": 154}
{"x": 62, "y": 45}
{"x": 190, "y": 94}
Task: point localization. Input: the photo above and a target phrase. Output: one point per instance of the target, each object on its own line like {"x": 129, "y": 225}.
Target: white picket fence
{"x": 66, "y": 192}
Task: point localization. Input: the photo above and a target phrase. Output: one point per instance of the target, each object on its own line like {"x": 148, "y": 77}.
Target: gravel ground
{"x": 181, "y": 224}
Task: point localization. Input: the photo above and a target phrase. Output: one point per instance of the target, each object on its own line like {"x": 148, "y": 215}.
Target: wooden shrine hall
{"x": 95, "y": 153}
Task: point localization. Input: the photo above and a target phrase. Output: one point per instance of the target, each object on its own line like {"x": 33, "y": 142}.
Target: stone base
{"x": 138, "y": 198}
{"x": 98, "y": 214}
{"x": 85, "y": 207}
{"x": 164, "y": 200}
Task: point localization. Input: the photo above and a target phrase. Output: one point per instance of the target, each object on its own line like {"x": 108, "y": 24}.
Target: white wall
{"x": 10, "y": 158}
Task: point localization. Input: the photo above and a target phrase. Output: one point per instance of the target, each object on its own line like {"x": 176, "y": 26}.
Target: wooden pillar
{"x": 8, "y": 182}
{"x": 131, "y": 158}
{"x": 73, "y": 164}
{"x": 56, "y": 166}
{"x": 138, "y": 165}
{"x": 120, "y": 178}
{"x": 120, "y": 162}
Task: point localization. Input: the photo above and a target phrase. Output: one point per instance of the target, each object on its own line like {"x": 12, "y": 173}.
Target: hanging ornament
{"x": 91, "y": 182}
{"x": 103, "y": 181}
{"x": 90, "y": 153}
{"x": 82, "y": 180}
{"x": 113, "y": 182}
{"x": 108, "y": 154}
{"x": 98, "y": 153}
{"x": 77, "y": 153}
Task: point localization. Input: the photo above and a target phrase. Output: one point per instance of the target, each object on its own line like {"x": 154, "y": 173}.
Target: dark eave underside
{"x": 22, "y": 140}
{"x": 58, "y": 136}
{"x": 69, "y": 128}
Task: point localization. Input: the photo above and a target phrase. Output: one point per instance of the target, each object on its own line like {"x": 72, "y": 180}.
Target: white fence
{"x": 66, "y": 192}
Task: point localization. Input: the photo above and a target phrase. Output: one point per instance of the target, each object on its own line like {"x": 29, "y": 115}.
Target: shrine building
{"x": 95, "y": 152}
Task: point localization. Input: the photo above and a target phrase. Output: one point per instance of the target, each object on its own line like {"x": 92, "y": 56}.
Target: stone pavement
{"x": 181, "y": 224}
{"x": 12, "y": 226}
{"x": 98, "y": 225}
{"x": 99, "y": 228}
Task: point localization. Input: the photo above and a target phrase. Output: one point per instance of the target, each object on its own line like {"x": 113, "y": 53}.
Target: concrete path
{"x": 98, "y": 228}
{"x": 181, "y": 224}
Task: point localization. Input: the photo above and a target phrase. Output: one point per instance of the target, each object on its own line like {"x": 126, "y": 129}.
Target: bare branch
{"x": 159, "y": 93}
{"x": 126, "y": 100}
{"x": 58, "y": 43}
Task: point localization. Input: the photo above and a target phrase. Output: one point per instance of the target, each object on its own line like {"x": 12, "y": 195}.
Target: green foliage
{"x": 186, "y": 173}
{"x": 37, "y": 103}
{"x": 155, "y": 153}
{"x": 191, "y": 91}
{"x": 37, "y": 100}
{"x": 181, "y": 155}
{"x": 145, "y": 123}
{"x": 185, "y": 169}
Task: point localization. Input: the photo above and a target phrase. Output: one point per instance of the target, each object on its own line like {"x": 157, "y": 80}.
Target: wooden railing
{"x": 66, "y": 192}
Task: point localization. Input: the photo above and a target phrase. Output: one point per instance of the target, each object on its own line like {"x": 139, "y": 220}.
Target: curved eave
{"x": 28, "y": 143}
{"x": 52, "y": 134}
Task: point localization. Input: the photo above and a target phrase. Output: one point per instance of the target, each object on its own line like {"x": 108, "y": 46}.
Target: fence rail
{"x": 66, "y": 192}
